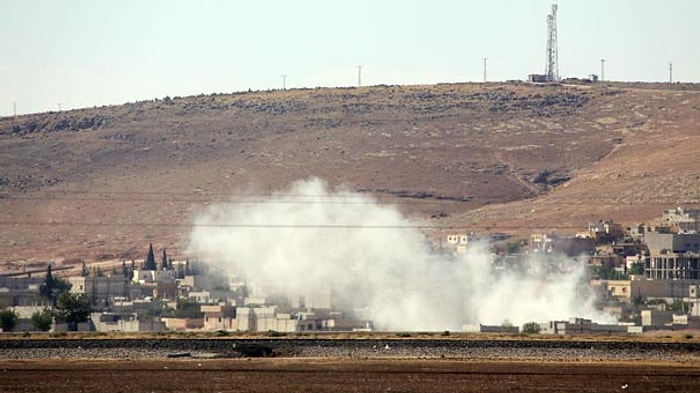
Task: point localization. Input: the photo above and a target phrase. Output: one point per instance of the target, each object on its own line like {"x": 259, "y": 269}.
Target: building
{"x": 100, "y": 290}
{"x": 20, "y": 291}
{"x": 456, "y": 243}
{"x": 682, "y": 220}
{"x": 220, "y": 316}
{"x": 605, "y": 230}
{"x": 567, "y": 245}
{"x": 124, "y": 322}
{"x": 582, "y": 326}
{"x": 537, "y": 78}
{"x": 673, "y": 256}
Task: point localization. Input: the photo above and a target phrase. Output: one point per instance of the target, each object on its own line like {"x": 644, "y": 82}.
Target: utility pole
{"x": 284, "y": 81}
{"x": 14, "y": 108}
{"x": 602, "y": 70}
{"x": 359, "y": 76}
{"x": 485, "y": 59}
{"x": 670, "y": 72}
{"x": 59, "y": 106}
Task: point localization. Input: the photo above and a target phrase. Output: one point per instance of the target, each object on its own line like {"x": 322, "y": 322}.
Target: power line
{"x": 485, "y": 59}
{"x": 287, "y": 226}
{"x": 357, "y": 199}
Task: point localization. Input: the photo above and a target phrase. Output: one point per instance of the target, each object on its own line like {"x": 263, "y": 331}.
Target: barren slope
{"x": 103, "y": 182}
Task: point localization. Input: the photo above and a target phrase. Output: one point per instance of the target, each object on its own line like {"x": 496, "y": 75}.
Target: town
{"x": 646, "y": 276}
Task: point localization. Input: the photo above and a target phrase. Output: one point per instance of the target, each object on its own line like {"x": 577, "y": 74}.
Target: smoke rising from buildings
{"x": 312, "y": 238}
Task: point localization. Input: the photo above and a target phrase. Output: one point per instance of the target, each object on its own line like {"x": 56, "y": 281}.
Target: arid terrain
{"x": 99, "y": 184}
{"x": 294, "y": 375}
{"x": 354, "y": 364}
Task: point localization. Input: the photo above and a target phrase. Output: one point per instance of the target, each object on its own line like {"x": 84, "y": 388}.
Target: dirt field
{"x": 317, "y": 375}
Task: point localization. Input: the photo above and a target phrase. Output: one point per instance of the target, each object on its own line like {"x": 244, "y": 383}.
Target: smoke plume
{"x": 312, "y": 237}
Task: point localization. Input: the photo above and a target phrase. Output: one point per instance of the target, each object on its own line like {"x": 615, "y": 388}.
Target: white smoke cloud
{"x": 312, "y": 237}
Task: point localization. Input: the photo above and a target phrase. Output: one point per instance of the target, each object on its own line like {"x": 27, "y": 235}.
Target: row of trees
{"x": 71, "y": 308}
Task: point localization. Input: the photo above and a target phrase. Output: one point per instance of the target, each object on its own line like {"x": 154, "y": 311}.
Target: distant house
{"x": 124, "y": 322}
{"x": 570, "y": 246}
{"x": 583, "y": 326}
{"x": 606, "y": 231}
{"x": 456, "y": 243}
{"x": 682, "y": 220}
{"x": 673, "y": 256}
{"x": 100, "y": 290}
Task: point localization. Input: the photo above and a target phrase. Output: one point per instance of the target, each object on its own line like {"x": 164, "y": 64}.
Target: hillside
{"x": 101, "y": 183}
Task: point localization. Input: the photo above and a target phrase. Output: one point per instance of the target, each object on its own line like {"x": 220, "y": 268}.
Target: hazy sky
{"x": 84, "y": 52}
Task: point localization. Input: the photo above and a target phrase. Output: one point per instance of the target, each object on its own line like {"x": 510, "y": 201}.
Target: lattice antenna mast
{"x": 552, "y": 71}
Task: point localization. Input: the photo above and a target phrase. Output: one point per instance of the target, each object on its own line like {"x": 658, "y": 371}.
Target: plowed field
{"x": 346, "y": 375}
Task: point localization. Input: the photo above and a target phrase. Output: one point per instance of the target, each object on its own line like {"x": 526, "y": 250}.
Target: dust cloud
{"x": 312, "y": 238}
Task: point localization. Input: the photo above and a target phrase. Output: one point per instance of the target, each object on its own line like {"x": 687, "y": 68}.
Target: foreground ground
{"x": 344, "y": 375}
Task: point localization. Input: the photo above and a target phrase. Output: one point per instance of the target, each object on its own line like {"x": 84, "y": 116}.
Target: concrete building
{"x": 456, "y": 244}
{"x": 682, "y": 220}
{"x": 567, "y": 245}
{"x": 124, "y": 322}
{"x": 673, "y": 256}
{"x": 220, "y": 316}
{"x": 583, "y": 326}
{"x": 20, "y": 291}
{"x": 605, "y": 230}
{"x": 100, "y": 290}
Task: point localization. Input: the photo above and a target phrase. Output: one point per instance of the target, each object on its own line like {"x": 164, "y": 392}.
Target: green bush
{"x": 8, "y": 320}
{"x": 274, "y": 333}
{"x": 41, "y": 320}
{"x": 531, "y": 328}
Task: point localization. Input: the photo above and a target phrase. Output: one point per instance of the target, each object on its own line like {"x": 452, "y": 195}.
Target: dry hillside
{"x": 102, "y": 183}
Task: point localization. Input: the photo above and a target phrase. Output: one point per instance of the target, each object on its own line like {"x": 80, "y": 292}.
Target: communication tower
{"x": 552, "y": 71}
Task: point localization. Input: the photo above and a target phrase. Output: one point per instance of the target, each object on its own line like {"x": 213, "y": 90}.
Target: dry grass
{"x": 629, "y": 151}
{"x": 684, "y": 336}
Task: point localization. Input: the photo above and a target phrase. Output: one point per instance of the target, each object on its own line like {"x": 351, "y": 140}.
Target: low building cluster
{"x": 647, "y": 276}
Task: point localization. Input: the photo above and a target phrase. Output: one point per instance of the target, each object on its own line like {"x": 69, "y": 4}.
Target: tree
{"x": 531, "y": 328}
{"x": 150, "y": 262}
{"x": 164, "y": 261}
{"x": 187, "y": 308}
{"x": 73, "y": 308}
{"x": 42, "y": 320}
{"x": 8, "y": 319}
{"x": 52, "y": 287}
{"x": 637, "y": 268}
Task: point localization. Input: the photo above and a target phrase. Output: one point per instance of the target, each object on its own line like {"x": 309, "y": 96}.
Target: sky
{"x": 82, "y": 53}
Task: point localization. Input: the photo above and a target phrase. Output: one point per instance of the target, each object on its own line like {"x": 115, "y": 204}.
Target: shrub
{"x": 274, "y": 333}
{"x": 8, "y": 319}
{"x": 41, "y": 320}
{"x": 531, "y": 328}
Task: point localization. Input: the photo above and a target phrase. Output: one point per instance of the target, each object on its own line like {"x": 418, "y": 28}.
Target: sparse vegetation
{"x": 52, "y": 288}
{"x": 532, "y": 139}
{"x": 8, "y": 319}
{"x": 73, "y": 308}
{"x": 531, "y": 328}
{"x": 42, "y": 320}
